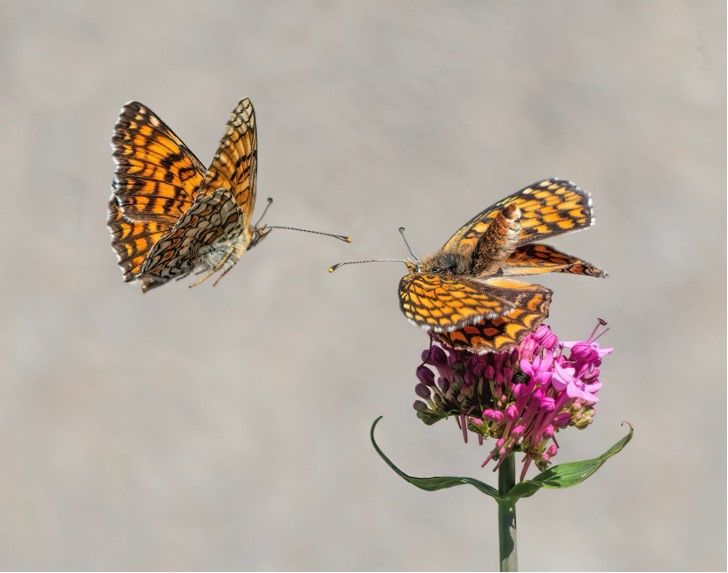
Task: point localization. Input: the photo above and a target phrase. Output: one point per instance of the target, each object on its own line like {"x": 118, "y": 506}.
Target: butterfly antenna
{"x": 268, "y": 204}
{"x": 344, "y": 238}
{"x": 332, "y": 268}
{"x": 401, "y": 232}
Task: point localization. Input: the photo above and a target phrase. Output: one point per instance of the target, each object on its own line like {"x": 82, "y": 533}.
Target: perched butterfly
{"x": 463, "y": 294}
{"x": 168, "y": 215}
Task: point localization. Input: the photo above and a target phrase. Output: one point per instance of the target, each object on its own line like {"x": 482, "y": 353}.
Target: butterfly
{"x": 463, "y": 294}
{"x": 169, "y": 216}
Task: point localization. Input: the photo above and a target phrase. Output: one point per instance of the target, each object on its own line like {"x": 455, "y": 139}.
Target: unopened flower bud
{"x": 582, "y": 418}
{"x": 443, "y": 384}
{"x": 438, "y": 356}
{"x": 547, "y": 404}
{"x": 420, "y": 406}
{"x": 422, "y": 391}
{"x": 493, "y": 416}
{"x": 541, "y": 332}
{"x": 550, "y": 341}
{"x": 426, "y": 375}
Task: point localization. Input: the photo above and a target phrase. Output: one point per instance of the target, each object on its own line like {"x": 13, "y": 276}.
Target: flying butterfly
{"x": 463, "y": 294}
{"x": 168, "y": 215}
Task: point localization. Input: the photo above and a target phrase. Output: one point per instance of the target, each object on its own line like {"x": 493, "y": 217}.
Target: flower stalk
{"x": 507, "y": 516}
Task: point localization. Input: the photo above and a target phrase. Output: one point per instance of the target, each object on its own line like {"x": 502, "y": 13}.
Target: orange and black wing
{"x": 537, "y": 258}
{"x": 155, "y": 183}
{"x": 548, "y": 208}
{"x": 132, "y": 239}
{"x": 156, "y": 175}
{"x": 234, "y": 166}
{"x": 212, "y": 219}
{"x": 442, "y": 302}
{"x": 530, "y": 308}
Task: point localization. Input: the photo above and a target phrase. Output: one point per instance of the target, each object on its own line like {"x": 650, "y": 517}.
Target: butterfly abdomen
{"x": 498, "y": 242}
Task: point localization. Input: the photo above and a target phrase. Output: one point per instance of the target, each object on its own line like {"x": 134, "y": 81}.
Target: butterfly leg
{"x": 229, "y": 266}
{"x": 184, "y": 276}
{"x": 237, "y": 252}
{"x": 213, "y": 270}
{"x": 196, "y": 274}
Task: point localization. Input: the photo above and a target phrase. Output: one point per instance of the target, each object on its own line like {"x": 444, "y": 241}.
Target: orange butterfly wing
{"x": 443, "y": 303}
{"x": 531, "y": 307}
{"x": 234, "y": 167}
{"x": 548, "y": 208}
{"x": 212, "y": 219}
{"x": 155, "y": 182}
{"x": 536, "y": 258}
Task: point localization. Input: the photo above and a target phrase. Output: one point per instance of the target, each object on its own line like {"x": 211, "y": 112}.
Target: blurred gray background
{"x": 227, "y": 428}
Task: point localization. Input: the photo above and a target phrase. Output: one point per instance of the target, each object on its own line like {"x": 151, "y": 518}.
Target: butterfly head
{"x": 259, "y": 233}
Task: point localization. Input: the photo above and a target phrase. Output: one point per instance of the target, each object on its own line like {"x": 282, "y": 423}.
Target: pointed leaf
{"x": 433, "y": 483}
{"x": 568, "y": 474}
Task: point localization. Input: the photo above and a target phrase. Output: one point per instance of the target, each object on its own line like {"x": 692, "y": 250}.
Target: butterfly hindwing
{"x": 203, "y": 236}
{"x": 132, "y": 239}
{"x": 234, "y": 167}
{"x": 440, "y": 302}
{"x": 536, "y": 258}
{"x": 548, "y": 208}
{"x": 530, "y": 308}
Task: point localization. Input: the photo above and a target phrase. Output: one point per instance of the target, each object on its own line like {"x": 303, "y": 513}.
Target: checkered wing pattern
{"x": 445, "y": 303}
{"x": 548, "y": 208}
{"x": 155, "y": 182}
{"x": 530, "y": 308}
{"x": 213, "y": 219}
{"x": 536, "y": 258}
{"x": 234, "y": 166}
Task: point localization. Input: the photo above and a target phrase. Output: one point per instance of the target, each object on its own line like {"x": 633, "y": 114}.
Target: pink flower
{"x": 521, "y": 397}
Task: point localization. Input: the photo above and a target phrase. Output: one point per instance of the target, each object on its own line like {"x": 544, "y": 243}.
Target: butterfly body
{"x": 462, "y": 293}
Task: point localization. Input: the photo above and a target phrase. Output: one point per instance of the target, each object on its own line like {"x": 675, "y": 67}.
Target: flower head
{"x": 521, "y": 397}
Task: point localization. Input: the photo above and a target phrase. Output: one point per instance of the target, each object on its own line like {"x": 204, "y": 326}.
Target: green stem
{"x": 507, "y": 516}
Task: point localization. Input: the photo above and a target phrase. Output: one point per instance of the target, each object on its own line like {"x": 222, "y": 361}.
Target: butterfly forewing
{"x": 548, "y": 208}
{"x": 155, "y": 182}
{"x": 156, "y": 176}
{"x": 234, "y": 166}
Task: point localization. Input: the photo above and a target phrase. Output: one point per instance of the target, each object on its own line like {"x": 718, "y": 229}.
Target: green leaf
{"x": 568, "y": 474}
{"x": 433, "y": 483}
